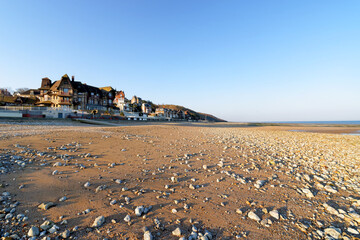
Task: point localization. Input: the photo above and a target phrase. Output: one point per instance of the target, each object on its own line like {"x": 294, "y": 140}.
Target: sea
{"x": 356, "y": 133}
{"x": 320, "y": 122}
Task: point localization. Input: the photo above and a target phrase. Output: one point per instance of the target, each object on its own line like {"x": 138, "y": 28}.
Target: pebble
{"x": 275, "y": 214}
{"x": 33, "y": 231}
{"x": 177, "y": 232}
{"x": 127, "y": 218}
{"x": 254, "y": 216}
{"x": 148, "y": 235}
{"x": 98, "y": 221}
{"x": 62, "y": 199}
{"x": 65, "y": 234}
{"x": 139, "y": 210}
{"x": 333, "y": 232}
{"x": 46, "y": 206}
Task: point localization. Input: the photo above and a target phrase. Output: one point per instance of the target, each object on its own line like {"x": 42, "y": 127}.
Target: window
{"x": 66, "y": 90}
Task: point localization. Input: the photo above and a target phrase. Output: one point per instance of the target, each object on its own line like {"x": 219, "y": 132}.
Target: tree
{"x": 20, "y": 90}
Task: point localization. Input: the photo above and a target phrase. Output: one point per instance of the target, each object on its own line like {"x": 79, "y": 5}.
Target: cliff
{"x": 193, "y": 114}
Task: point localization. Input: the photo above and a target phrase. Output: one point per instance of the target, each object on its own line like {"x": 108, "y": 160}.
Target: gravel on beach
{"x": 165, "y": 181}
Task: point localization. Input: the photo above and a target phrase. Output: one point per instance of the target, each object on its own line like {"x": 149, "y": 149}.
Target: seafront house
{"x": 66, "y": 93}
{"x": 146, "y": 108}
{"x": 121, "y": 102}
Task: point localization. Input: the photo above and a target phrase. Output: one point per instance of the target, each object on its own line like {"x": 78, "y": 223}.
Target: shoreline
{"x": 296, "y": 127}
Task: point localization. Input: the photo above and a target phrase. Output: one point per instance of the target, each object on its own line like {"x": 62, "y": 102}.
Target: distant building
{"x": 30, "y": 93}
{"x": 169, "y": 113}
{"x": 4, "y": 92}
{"x": 146, "y": 108}
{"x": 136, "y": 100}
{"x": 121, "y": 102}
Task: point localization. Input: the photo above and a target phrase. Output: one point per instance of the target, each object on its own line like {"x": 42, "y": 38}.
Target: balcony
{"x": 65, "y": 102}
{"x": 65, "y": 94}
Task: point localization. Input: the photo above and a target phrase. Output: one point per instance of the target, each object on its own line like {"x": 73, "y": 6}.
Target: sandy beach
{"x": 173, "y": 180}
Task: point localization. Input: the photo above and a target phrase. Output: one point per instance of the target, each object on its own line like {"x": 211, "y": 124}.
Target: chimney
{"x": 72, "y": 78}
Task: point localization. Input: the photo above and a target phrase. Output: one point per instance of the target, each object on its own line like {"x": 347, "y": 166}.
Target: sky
{"x": 238, "y": 60}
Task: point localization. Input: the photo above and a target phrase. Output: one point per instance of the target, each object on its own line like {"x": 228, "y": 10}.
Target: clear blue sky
{"x": 239, "y": 60}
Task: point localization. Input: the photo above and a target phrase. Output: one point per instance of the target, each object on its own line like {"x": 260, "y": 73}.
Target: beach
{"x": 174, "y": 180}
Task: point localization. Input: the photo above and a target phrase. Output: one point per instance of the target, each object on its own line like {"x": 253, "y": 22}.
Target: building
{"x": 121, "y": 102}
{"x": 5, "y": 92}
{"x": 30, "y": 93}
{"x": 146, "y": 108}
{"x": 136, "y": 100}
{"x": 108, "y": 96}
{"x": 169, "y": 113}
{"x": 66, "y": 93}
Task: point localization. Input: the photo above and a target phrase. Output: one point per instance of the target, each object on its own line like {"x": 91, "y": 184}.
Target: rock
{"x": 87, "y": 184}
{"x": 333, "y": 232}
{"x": 266, "y": 222}
{"x": 53, "y": 229}
{"x": 100, "y": 188}
{"x": 46, "y": 206}
{"x": 33, "y": 231}
{"x": 355, "y": 216}
{"x": 98, "y": 221}
{"x": 275, "y": 214}
{"x": 353, "y": 231}
{"x": 253, "y": 216}
{"x": 177, "y": 232}
{"x": 46, "y": 225}
{"x": 259, "y": 183}
{"x": 148, "y": 235}
{"x": 127, "y": 218}
{"x": 208, "y": 235}
{"x": 330, "y": 189}
{"x": 62, "y": 199}
{"x": 308, "y": 193}
{"x": 330, "y": 209}
{"x": 193, "y": 236}
{"x": 57, "y": 164}
{"x": 139, "y": 210}
{"x": 118, "y": 181}
{"x": 65, "y": 234}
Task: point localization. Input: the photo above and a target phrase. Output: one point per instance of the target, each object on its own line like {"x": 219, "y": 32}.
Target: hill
{"x": 193, "y": 114}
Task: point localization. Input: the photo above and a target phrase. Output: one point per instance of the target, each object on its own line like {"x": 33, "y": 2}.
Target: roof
{"x": 108, "y": 88}
{"x": 55, "y": 86}
{"x": 80, "y": 87}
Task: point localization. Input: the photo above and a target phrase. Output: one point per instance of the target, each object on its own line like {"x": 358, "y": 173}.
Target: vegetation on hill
{"x": 192, "y": 113}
